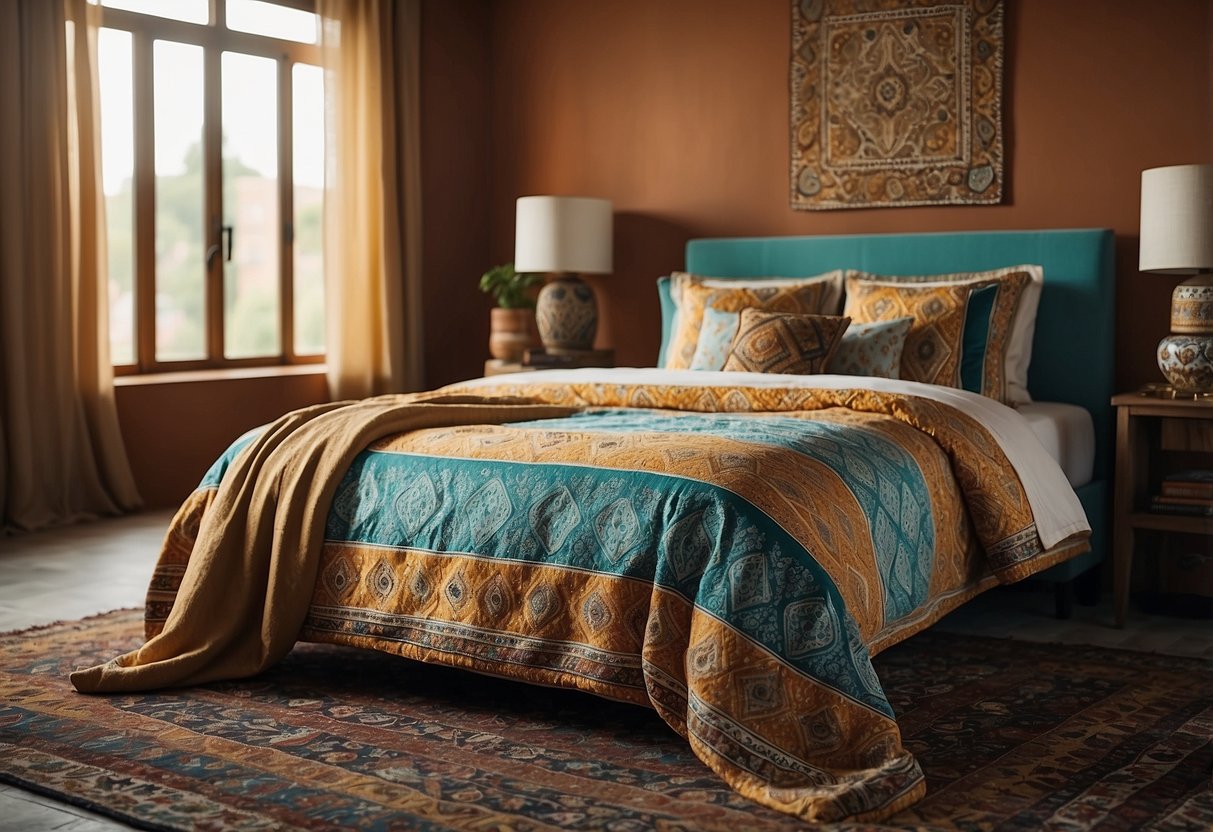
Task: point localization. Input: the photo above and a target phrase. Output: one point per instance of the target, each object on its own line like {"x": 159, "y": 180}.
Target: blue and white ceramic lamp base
{"x": 1186, "y": 355}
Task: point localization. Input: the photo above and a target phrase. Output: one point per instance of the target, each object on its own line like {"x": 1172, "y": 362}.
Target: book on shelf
{"x": 1187, "y": 488}
{"x": 1181, "y": 500}
{"x": 1167, "y": 505}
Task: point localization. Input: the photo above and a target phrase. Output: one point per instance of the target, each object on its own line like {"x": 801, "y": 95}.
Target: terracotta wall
{"x": 174, "y": 431}
{"x": 678, "y": 111}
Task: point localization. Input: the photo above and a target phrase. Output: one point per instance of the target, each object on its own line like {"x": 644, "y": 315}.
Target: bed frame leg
{"x": 1063, "y": 594}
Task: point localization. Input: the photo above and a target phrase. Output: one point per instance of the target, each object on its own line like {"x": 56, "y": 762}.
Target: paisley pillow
{"x": 871, "y": 349}
{"x": 961, "y": 330}
{"x": 775, "y": 342}
{"x": 990, "y": 332}
{"x": 693, "y": 294}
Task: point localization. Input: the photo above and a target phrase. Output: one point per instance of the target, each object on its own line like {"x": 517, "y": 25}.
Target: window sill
{"x": 225, "y": 374}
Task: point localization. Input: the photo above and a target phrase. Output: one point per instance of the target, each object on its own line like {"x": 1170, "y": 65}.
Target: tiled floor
{"x": 87, "y": 569}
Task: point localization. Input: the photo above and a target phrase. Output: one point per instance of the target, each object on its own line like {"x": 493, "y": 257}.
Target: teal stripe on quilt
{"x": 975, "y": 341}
{"x": 712, "y": 547}
{"x": 215, "y": 473}
{"x": 884, "y": 478}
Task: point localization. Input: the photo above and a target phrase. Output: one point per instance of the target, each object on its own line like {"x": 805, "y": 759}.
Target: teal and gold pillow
{"x": 692, "y": 295}
{"x": 962, "y": 328}
{"x": 715, "y": 337}
{"x": 872, "y": 349}
{"x": 774, "y": 342}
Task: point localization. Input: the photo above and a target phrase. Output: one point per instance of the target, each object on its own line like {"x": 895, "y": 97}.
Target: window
{"x": 212, "y": 145}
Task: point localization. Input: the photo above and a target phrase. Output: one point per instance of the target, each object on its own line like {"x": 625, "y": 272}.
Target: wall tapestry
{"x": 896, "y": 102}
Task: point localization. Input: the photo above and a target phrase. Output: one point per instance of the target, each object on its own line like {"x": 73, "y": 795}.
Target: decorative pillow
{"x": 962, "y": 327}
{"x": 775, "y": 342}
{"x": 715, "y": 338}
{"x": 693, "y": 294}
{"x": 1019, "y": 350}
{"x": 871, "y": 349}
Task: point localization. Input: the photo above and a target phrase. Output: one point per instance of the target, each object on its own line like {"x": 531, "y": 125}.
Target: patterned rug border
{"x": 1116, "y": 660}
{"x": 83, "y": 803}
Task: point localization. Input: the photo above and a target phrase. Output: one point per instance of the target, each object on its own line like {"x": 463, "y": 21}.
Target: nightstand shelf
{"x": 1154, "y": 437}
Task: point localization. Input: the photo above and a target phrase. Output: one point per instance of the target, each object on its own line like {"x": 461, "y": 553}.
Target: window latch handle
{"x": 227, "y": 232}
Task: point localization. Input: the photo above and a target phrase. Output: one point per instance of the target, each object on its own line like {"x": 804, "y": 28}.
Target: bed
{"x": 728, "y": 548}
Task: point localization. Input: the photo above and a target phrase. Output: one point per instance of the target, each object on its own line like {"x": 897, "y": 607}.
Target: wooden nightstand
{"x": 537, "y": 359}
{"x": 1154, "y": 436}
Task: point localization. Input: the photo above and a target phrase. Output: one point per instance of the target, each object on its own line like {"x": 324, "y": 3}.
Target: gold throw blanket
{"x": 250, "y": 578}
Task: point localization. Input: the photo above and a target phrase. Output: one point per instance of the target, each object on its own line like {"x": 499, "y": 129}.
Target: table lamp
{"x": 1177, "y": 238}
{"x": 564, "y": 236}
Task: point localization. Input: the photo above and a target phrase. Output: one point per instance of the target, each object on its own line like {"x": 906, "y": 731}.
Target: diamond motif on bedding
{"x": 687, "y": 545}
{"x": 808, "y": 626}
{"x": 821, "y": 729}
{"x": 340, "y": 577}
{"x": 487, "y": 510}
{"x": 705, "y": 659}
{"x": 926, "y": 352}
{"x": 456, "y": 591}
{"x": 417, "y": 503}
{"x": 543, "y": 603}
{"x": 497, "y": 599}
{"x": 617, "y": 529}
{"x": 381, "y": 580}
{"x": 761, "y": 694}
{"x": 419, "y": 585}
{"x": 553, "y": 518}
{"x": 748, "y": 583}
{"x": 596, "y": 613}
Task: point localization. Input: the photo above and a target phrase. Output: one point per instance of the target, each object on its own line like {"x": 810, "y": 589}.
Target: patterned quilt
{"x": 731, "y": 557}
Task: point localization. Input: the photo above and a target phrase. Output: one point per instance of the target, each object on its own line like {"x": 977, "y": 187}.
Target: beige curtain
{"x": 61, "y": 453}
{"x": 372, "y": 233}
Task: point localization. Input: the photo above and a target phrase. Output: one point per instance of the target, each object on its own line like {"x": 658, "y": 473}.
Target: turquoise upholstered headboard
{"x": 1072, "y": 350}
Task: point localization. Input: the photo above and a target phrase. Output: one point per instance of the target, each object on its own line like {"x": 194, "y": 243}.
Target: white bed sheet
{"x": 1056, "y": 508}
{"x": 1067, "y": 433}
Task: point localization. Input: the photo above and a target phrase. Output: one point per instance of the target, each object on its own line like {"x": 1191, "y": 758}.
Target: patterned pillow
{"x": 775, "y": 342}
{"x": 715, "y": 338}
{"x": 693, "y": 294}
{"x": 1019, "y": 349}
{"x": 871, "y": 349}
{"x": 962, "y": 327}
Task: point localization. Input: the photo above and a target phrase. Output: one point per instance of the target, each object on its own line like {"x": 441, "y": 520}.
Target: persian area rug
{"x": 1012, "y": 736}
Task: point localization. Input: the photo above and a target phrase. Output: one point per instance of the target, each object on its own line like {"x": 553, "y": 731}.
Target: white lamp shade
{"x": 1177, "y": 219}
{"x": 563, "y": 234}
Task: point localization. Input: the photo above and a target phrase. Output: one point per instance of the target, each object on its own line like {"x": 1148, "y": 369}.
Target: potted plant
{"x": 512, "y": 323}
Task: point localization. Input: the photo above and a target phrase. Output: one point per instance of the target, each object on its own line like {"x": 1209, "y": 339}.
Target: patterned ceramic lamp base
{"x": 567, "y": 315}
{"x": 1187, "y": 362}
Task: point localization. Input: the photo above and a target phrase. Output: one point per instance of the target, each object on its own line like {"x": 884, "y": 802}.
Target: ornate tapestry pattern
{"x": 733, "y": 570}
{"x": 896, "y": 103}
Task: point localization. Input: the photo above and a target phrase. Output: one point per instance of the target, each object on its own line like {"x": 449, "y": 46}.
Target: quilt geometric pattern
{"x": 896, "y": 102}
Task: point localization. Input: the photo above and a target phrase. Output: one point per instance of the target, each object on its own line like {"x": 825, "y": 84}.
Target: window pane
{"x": 191, "y": 11}
{"x": 250, "y": 205}
{"x": 261, "y": 18}
{"x": 308, "y": 164}
{"x": 180, "y": 240}
{"x": 117, "y": 173}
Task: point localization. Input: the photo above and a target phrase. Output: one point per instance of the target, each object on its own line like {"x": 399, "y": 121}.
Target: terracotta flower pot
{"x": 511, "y": 332}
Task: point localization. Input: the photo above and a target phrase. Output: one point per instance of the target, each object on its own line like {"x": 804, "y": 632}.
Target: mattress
{"x": 1067, "y": 434}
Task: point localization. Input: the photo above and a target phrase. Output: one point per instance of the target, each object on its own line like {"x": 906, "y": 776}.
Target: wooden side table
{"x": 1154, "y": 436}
